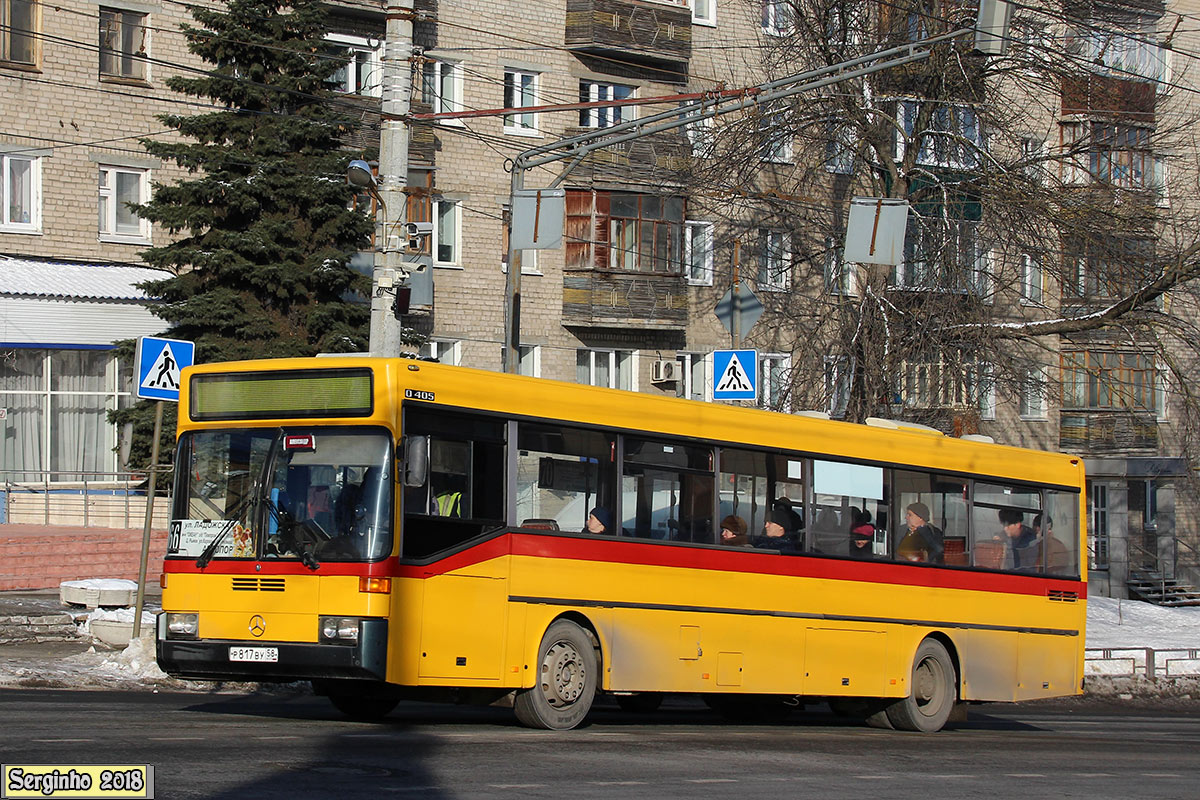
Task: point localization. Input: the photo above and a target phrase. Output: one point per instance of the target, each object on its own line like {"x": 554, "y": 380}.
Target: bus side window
{"x": 667, "y": 491}
{"x": 562, "y": 474}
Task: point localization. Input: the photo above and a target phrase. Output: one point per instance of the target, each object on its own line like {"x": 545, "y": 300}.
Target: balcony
{"x": 1098, "y": 432}
{"x": 655, "y": 34}
{"x": 628, "y": 300}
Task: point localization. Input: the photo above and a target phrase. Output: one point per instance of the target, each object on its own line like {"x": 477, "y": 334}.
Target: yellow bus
{"x": 393, "y": 528}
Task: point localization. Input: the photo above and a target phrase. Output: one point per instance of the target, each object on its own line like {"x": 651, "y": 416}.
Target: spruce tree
{"x": 262, "y": 232}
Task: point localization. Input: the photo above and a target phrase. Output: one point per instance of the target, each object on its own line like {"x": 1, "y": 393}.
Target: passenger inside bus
{"x": 599, "y": 521}
{"x": 1024, "y": 544}
{"x": 862, "y": 534}
{"x": 921, "y": 540}
{"x": 733, "y": 532}
{"x": 781, "y": 531}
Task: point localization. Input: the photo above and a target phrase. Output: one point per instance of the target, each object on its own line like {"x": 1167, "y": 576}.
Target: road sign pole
{"x": 141, "y": 589}
{"x": 737, "y": 303}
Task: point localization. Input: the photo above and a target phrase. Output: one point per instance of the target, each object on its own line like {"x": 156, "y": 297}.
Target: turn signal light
{"x": 375, "y": 585}
{"x": 162, "y": 580}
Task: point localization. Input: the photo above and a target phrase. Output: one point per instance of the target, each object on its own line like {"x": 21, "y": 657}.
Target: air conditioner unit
{"x": 664, "y": 371}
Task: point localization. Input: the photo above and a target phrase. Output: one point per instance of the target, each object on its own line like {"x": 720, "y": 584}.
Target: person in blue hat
{"x": 599, "y": 521}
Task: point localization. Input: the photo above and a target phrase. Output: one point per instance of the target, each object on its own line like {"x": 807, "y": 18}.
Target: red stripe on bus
{"x": 624, "y": 551}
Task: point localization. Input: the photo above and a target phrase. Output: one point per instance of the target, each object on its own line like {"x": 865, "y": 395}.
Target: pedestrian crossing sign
{"x": 736, "y": 374}
{"x": 159, "y": 362}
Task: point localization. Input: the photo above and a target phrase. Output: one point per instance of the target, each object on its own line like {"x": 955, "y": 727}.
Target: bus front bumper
{"x": 210, "y": 659}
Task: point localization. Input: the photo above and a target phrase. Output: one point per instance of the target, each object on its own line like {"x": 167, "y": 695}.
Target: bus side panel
{"x": 988, "y": 661}
{"x": 846, "y": 661}
{"x": 404, "y": 647}
{"x": 1046, "y": 666}
{"x": 463, "y": 627}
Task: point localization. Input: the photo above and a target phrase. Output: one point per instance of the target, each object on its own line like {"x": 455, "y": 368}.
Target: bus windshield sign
{"x": 292, "y": 393}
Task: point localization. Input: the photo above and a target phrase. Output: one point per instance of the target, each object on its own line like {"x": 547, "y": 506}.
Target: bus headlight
{"x": 343, "y": 630}
{"x": 182, "y": 625}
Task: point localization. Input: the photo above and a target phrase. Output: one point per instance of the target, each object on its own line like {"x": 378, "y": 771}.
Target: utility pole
{"x": 393, "y": 176}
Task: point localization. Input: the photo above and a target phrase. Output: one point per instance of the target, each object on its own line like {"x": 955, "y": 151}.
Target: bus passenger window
{"x": 1059, "y": 529}
{"x": 929, "y": 508}
{"x": 667, "y": 491}
{"x": 846, "y": 506}
{"x": 1004, "y": 536}
{"x": 562, "y": 474}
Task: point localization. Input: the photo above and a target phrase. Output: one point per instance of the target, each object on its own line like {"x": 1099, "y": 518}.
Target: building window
{"x": 774, "y": 253}
{"x": 775, "y": 136}
{"x": 120, "y": 186}
{"x": 954, "y": 381}
{"x": 1033, "y": 394}
{"x": 696, "y": 383}
{"x": 774, "y": 381}
{"x": 777, "y": 17}
{"x": 446, "y": 232}
{"x": 1122, "y": 43}
{"x": 698, "y": 253}
{"x": 361, "y": 70}
{"x": 1031, "y": 279}
{"x": 951, "y": 138}
{"x": 604, "y": 116}
{"x": 18, "y": 27}
{"x": 701, "y": 130}
{"x": 837, "y": 385}
{"x": 445, "y": 352}
{"x": 704, "y": 12}
{"x": 646, "y": 233}
{"x": 1106, "y": 152}
{"x": 1099, "y": 379}
{"x": 520, "y": 91}
{"x": 58, "y": 403}
{"x": 529, "y": 360}
{"x": 123, "y": 44}
{"x": 22, "y": 184}
{"x": 839, "y": 275}
{"x": 614, "y": 369}
{"x": 839, "y": 148}
{"x": 1105, "y": 269}
{"x": 943, "y": 254}
{"x": 442, "y": 88}
{"x": 1034, "y": 155}
{"x": 1097, "y": 499}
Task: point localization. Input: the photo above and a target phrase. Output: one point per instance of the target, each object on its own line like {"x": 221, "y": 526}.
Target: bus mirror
{"x": 416, "y": 460}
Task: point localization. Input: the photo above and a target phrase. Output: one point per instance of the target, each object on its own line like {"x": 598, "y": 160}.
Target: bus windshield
{"x": 313, "y": 495}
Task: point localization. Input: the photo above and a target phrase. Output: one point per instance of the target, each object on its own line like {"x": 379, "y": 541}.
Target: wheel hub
{"x": 563, "y": 675}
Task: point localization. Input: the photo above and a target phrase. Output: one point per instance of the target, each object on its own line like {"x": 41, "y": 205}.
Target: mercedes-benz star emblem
{"x": 258, "y": 625}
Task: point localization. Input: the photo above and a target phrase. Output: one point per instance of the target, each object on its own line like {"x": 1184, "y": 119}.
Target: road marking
{"x": 618, "y": 783}
{"x": 57, "y": 741}
{"x": 1161, "y": 775}
{"x": 1024, "y": 775}
{"x": 711, "y": 780}
{"x": 1093, "y": 774}
{"x": 518, "y": 785}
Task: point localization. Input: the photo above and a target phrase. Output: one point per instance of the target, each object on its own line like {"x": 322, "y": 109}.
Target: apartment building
{"x": 655, "y": 228}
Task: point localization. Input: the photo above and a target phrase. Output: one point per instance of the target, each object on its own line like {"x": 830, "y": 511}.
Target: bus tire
{"x": 566, "y": 680}
{"x": 933, "y": 691}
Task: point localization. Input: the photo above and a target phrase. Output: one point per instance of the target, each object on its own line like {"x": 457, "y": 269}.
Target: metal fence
{"x": 81, "y": 499}
{"x": 1142, "y": 662}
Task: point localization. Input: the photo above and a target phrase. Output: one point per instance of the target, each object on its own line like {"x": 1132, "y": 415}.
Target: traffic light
{"x": 401, "y": 301}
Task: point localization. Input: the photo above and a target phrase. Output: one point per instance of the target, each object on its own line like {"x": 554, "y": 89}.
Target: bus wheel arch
{"x": 566, "y": 672}
{"x": 933, "y": 688}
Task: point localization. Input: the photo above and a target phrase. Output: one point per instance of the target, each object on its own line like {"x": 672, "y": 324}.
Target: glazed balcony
{"x": 1093, "y": 432}
{"x": 656, "y": 34}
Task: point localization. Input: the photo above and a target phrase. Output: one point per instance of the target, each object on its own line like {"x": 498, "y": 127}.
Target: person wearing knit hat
{"x": 923, "y": 540}
{"x": 599, "y": 520}
{"x": 733, "y": 532}
{"x": 780, "y": 529}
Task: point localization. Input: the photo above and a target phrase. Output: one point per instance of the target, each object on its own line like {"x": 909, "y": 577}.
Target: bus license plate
{"x": 267, "y": 654}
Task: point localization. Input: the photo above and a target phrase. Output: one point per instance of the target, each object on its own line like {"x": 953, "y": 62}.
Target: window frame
{"x": 435, "y": 237}
{"x": 108, "y": 226}
{"x": 772, "y": 394}
{"x": 702, "y": 274}
{"x": 1032, "y": 403}
{"x": 9, "y": 34}
{"x": 34, "y": 225}
{"x": 615, "y": 369}
{"x": 765, "y": 252}
{"x": 777, "y": 18}
{"x": 354, "y": 45}
{"x": 1033, "y": 277}
{"x": 435, "y": 74}
{"x": 510, "y": 89}
{"x": 597, "y": 118}
{"x": 138, "y": 60}
{"x": 708, "y": 18}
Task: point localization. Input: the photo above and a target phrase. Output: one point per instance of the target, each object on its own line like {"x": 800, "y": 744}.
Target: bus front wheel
{"x": 933, "y": 691}
{"x": 566, "y": 680}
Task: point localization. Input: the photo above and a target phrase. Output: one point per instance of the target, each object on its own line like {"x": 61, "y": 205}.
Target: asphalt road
{"x": 297, "y": 746}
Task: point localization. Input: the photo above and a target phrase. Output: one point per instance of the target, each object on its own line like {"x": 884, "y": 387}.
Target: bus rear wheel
{"x": 566, "y": 680}
{"x": 933, "y": 691}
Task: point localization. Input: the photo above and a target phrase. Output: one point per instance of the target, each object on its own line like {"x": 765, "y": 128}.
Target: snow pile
{"x": 1131, "y": 623}
{"x": 125, "y": 615}
{"x": 101, "y": 583}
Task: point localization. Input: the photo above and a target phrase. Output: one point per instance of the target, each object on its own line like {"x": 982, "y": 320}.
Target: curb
{"x": 23, "y": 629}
